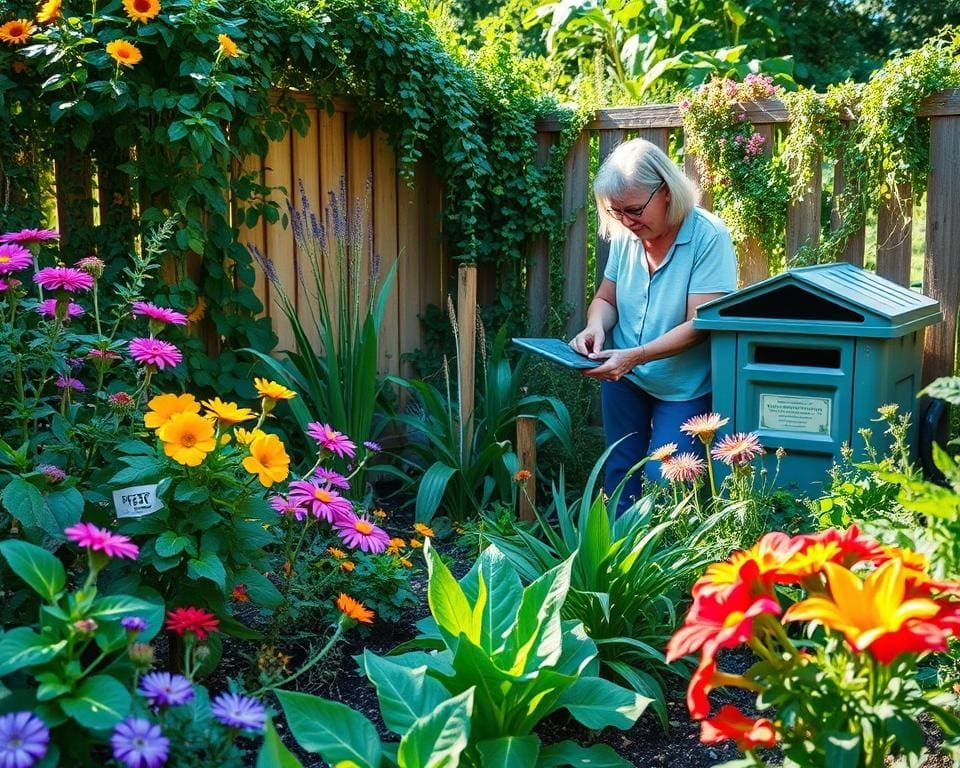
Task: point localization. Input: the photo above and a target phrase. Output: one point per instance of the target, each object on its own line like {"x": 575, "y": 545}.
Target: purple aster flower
{"x": 138, "y": 743}
{"x": 322, "y": 502}
{"x": 236, "y": 711}
{"x": 30, "y": 236}
{"x": 48, "y": 308}
{"x": 23, "y": 739}
{"x": 372, "y": 446}
{"x": 165, "y": 689}
{"x": 329, "y": 438}
{"x": 68, "y": 382}
{"x": 331, "y": 478}
{"x": 288, "y": 508}
{"x": 133, "y": 623}
{"x": 52, "y": 472}
{"x": 155, "y": 352}
{"x": 13, "y": 257}
{"x": 360, "y": 532}
{"x": 64, "y": 279}
{"x": 160, "y": 314}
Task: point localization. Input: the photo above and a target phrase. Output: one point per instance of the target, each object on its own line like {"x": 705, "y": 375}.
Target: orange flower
{"x": 49, "y": 11}
{"x": 162, "y": 407}
{"x": 227, "y": 413}
{"x": 347, "y": 566}
{"x": 354, "y": 609}
{"x": 227, "y": 48}
{"x": 187, "y": 438}
{"x": 395, "y": 545}
{"x": 336, "y": 552}
{"x": 124, "y": 53}
{"x": 239, "y": 594}
{"x": 731, "y": 723}
{"x": 17, "y": 31}
{"x": 522, "y": 475}
{"x": 268, "y": 460}
{"x": 405, "y": 563}
{"x": 423, "y": 530}
{"x": 757, "y": 566}
{"x": 142, "y": 10}
{"x": 416, "y": 543}
{"x": 379, "y": 514}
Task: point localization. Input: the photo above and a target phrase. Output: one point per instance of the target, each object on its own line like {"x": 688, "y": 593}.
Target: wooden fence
{"x": 656, "y": 123}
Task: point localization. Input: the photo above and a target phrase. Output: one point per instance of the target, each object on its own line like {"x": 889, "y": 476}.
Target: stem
{"x": 338, "y": 632}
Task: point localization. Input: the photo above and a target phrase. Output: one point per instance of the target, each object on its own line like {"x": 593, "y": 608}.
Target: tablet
{"x": 557, "y": 351}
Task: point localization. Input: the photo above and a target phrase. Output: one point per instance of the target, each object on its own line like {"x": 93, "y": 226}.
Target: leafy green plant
{"x": 461, "y": 476}
{"x": 502, "y": 659}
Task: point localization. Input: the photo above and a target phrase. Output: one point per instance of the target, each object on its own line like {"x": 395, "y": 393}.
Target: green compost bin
{"x": 807, "y": 357}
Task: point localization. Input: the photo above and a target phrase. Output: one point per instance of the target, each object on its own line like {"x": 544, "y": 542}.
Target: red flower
{"x": 701, "y": 683}
{"x": 195, "y": 620}
{"x": 731, "y": 723}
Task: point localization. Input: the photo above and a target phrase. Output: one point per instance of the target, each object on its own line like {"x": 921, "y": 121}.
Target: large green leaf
{"x": 437, "y": 740}
{"x": 330, "y": 729}
{"x": 24, "y": 501}
{"x": 39, "y": 568}
{"x": 207, "y": 566}
{"x": 433, "y": 485}
{"x": 406, "y": 694}
{"x": 66, "y": 506}
{"x": 448, "y": 603}
{"x": 273, "y": 753}
{"x": 99, "y": 703}
{"x": 509, "y": 751}
{"x": 504, "y": 591}
{"x": 22, "y": 647}
{"x": 115, "y": 607}
{"x": 566, "y": 753}
{"x": 597, "y": 703}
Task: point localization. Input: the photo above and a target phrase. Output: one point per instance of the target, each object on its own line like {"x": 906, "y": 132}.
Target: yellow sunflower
{"x": 49, "y": 11}
{"x": 124, "y": 52}
{"x": 268, "y": 460}
{"x": 17, "y": 31}
{"x": 227, "y": 413}
{"x": 142, "y": 10}
{"x": 162, "y": 407}
{"x": 187, "y": 438}
{"x": 227, "y": 49}
{"x": 273, "y": 390}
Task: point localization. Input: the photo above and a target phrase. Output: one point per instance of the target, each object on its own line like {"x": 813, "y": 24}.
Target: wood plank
{"x": 385, "y": 245}
{"x": 941, "y": 104}
{"x": 855, "y": 245}
{"x": 765, "y": 112}
{"x": 538, "y": 261}
{"x": 527, "y": 456}
{"x": 277, "y": 172}
{"x": 306, "y": 188}
{"x": 894, "y": 237}
{"x": 941, "y": 276}
{"x": 754, "y": 262}
{"x": 254, "y": 236}
{"x": 361, "y": 204}
{"x": 467, "y": 325}
{"x": 692, "y": 171}
{"x": 410, "y": 267}
{"x": 608, "y": 140}
{"x": 660, "y": 137}
{"x": 803, "y": 215}
{"x": 574, "y": 210}
{"x": 333, "y": 169}
{"x": 434, "y": 287}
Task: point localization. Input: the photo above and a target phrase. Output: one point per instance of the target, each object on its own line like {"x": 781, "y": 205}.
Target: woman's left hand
{"x": 616, "y": 363}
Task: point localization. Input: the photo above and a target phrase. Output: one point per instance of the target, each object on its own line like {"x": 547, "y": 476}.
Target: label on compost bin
{"x": 137, "y": 500}
{"x": 792, "y": 413}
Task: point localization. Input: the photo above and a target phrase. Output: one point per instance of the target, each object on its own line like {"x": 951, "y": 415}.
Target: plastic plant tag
{"x": 137, "y": 500}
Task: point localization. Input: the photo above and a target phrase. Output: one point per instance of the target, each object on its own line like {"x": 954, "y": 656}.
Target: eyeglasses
{"x": 637, "y": 211}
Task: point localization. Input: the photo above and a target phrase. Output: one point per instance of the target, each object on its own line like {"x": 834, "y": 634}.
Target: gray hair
{"x": 639, "y": 164}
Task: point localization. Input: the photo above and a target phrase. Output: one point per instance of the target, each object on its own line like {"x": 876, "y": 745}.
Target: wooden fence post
{"x": 538, "y": 261}
{"x": 527, "y": 453}
{"x": 894, "y": 235}
{"x": 467, "y": 328}
{"x": 575, "y": 244}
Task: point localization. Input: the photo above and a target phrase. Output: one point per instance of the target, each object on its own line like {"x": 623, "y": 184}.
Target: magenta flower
{"x": 30, "y": 236}
{"x": 331, "y": 478}
{"x": 288, "y": 508}
{"x": 360, "y": 532}
{"x": 68, "y": 382}
{"x": 101, "y": 540}
{"x": 155, "y": 352}
{"x": 63, "y": 279}
{"x": 323, "y": 503}
{"x": 165, "y": 689}
{"x": 333, "y": 441}
{"x": 236, "y": 711}
{"x": 160, "y": 314}
{"x": 13, "y": 257}
{"x": 138, "y": 743}
{"x": 48, "y": 308}
{"x": 23, "y": 739}
{"x": 52, "y": 472}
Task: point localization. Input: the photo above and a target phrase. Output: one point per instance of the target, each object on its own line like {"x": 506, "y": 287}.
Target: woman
{"x": 667, "y": 257}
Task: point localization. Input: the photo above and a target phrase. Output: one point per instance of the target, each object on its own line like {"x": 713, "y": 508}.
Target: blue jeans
{"x": 646, "y": 424}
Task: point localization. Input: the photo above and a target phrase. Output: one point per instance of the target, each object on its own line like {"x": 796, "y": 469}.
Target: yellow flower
{"x": 187, "y": 438}
{"x": 416, "y": 543}
{"x": 273, "y": 390}
{"x": 49, "y": 11}
{"x": 379, "y": 514}
{"x": 228, "y": 50}
{"x": 16, "y": 31}
{"x": 423, "y": 530}
{"x": 268, "y": 460}
{"x": 354, "y": 609}
{"x": 162, "y": 407}
{"x": 247, "y": 436}
{"x": 336, "y": 552}
{"x": 141, "y": 10}
{"x": 227, "y": 413}
{"x": 347, "y": 566}
{"x": 405, "y": 563}
{"x": 124, "y": 53}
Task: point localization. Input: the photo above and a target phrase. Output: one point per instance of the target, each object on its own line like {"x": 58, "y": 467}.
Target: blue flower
{"x": 138, "y": 743}
{"x": 23, "y": 739}
{"x": 236, "y": 711}
{"x": 164, "y": 689}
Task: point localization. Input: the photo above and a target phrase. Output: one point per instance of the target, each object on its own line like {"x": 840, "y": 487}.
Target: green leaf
{"x": 437, "y": 740}
{"x": 207, "y": 566}
{"x": 597, "y": 703}
{"x": 406, "y": 694}
{"x": 433, "y": 485}
{"x": 42, "y": 571}
{"x": 66, "y": 506}
{"x": 566, "y": 753}
{"x": 509, "y": 751}
{"x": 191, "y": 493}
{"x": 171, "y": 543}
{"x": 448, "y": 603}
{"x": 24, "y": 502}
{"x": 273, "y": 753}
{"x": 330, "y": 729}
{"x": 842, "y": 750}
{"x": 22, "y": 647}
{"x": 99, "y": 703}
{"x": 115, "y": 607}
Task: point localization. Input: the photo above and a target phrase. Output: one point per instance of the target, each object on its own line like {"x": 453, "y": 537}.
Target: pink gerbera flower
{"x": 162, "y": 354}
{"x": 30, "y": 236}
{"x": 682, "y": 468}
{"x": 322, "y": 502}
{"x": 288, "y": 507}
{"x": 737, "y": 449}
{"x": 48, "y": 308}
{"x": 329, "y": 438}
{"x": 332, "y": 478}
{"x": 13, "y": 257}
{"x": 360, "y": 532}
{"x": 160, "y": 314}
{"x": 63, "y": 278}
{"x": 101, "y": 540}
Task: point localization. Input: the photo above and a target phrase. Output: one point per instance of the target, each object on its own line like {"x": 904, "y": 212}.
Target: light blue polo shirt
{"x": 701, "y": 260}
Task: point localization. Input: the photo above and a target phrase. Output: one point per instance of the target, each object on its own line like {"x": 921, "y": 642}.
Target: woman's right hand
{"x": 589, "y": 340}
